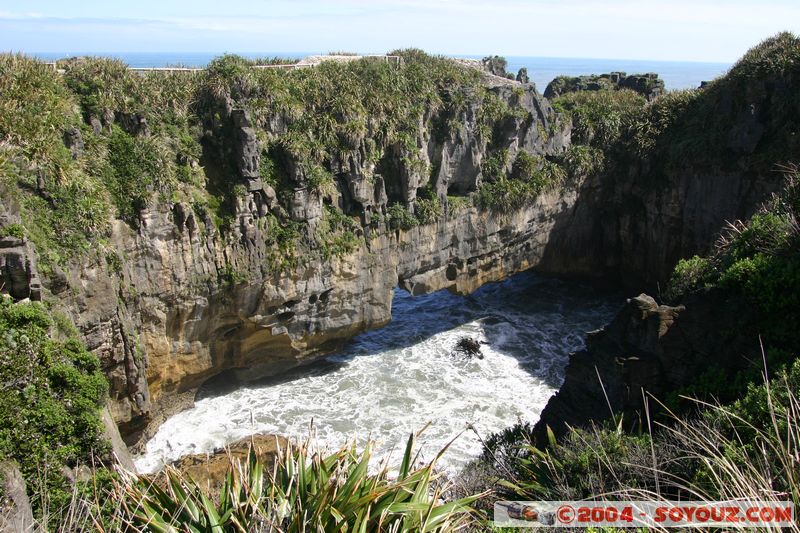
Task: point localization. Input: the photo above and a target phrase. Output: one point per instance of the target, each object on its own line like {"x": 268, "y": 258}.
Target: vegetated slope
{"x": 729, "y": 315}
{"x": 51, "y": 391}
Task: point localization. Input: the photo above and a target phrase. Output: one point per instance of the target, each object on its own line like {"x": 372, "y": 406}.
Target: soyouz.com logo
{"x": 654, "y": 514}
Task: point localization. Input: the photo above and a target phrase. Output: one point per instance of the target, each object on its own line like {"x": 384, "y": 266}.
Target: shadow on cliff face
{"x": 532, "y": 318}
{"x": 682, "y": 167}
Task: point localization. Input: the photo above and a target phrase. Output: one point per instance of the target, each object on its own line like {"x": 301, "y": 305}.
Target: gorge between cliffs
{"x": 245, "y": 249}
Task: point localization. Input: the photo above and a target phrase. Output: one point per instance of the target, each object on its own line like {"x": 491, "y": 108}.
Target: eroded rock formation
{"x": 179, "y": 301}
{"x": 648, "y": 85}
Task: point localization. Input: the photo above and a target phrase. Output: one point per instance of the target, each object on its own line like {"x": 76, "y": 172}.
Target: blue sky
{"x": 685, "y": 30}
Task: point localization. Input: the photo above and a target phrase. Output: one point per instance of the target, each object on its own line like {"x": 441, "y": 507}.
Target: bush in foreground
{"x": 306, "y": 492}
{"x": 748, "y": 450}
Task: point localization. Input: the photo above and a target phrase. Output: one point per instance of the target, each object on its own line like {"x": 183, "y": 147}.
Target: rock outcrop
{"x": 18, "y": 272}
{"x": 648, "y": 85}
{"x": 17, "y": 513}
{"x": 648, "y": 351}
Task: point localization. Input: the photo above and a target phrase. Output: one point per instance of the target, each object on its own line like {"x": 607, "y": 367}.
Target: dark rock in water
{"x": 648, "y": 85}
{"x": 468, "y": 347}
{"x": 495, "y": 65}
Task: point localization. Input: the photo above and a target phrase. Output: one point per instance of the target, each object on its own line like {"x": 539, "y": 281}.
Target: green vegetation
{"x": 748, "y": 449}
{"x": 13, "y": 230}
{"x": 69, "y": 213}
{"x": 530, "y": 176}
{"x": 759, "y": 260}
{"x": 337, "y": 234}
{"x": 400, "y": 218}
{"x": 494, "y": 166}
{"x": 282, "y": 237}
{"x": 504, "y": 196}
{"x": 136, "y": 170}
{"x": 599, "y": 117}
{"x": 51, "y": 391}
{"x": 304, "y": 493}
{"x": 429, "y": 209}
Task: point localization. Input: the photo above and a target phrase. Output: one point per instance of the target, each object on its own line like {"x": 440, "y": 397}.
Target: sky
{"x": 679, "y": 30}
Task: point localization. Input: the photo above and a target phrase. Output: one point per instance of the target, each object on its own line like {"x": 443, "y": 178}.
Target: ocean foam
{"x": 391, "y": 382}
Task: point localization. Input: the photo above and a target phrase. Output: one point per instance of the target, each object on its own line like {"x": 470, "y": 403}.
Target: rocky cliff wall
{"x": 178, "y": 299}
{"x": 718, "y": 155}
{"x": 647, "y": 352}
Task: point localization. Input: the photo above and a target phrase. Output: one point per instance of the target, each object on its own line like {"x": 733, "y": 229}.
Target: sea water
{"x": 393, "y": 381}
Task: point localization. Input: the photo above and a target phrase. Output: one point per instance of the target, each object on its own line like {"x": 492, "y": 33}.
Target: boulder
{"x": 74, "y": 141}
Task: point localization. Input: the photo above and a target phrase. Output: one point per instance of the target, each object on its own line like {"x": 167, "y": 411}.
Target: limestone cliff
{"x": 287, "y": 231}
{"x": 176, "y": 299}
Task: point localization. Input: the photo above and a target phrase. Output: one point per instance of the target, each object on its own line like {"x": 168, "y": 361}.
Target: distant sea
{"x": 676, "y": 74}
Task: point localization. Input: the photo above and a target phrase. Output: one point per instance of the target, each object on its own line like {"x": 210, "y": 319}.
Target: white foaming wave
{"x": 386, "y": 395}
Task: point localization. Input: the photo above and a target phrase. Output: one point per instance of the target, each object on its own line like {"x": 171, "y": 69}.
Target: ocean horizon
{"x": 541, "y": 70}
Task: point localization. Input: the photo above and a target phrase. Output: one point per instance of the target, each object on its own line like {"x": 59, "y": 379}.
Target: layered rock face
{"x": 184, "y": 302}
{"x": 734, "y": 138}
{"x": 180, "y": 301}
{"x": 648, "y": 351}
{"x": 717, "y": 162}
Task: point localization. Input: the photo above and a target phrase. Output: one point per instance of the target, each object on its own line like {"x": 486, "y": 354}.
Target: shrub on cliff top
{"x": 708, "y": 126}
{"x": 598, "y": 117}
{"x": 63, "y": 208}
{"x": 779, "y": 55}
{"x": 50, "y": 395}
{"x": 35, "y": 109}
